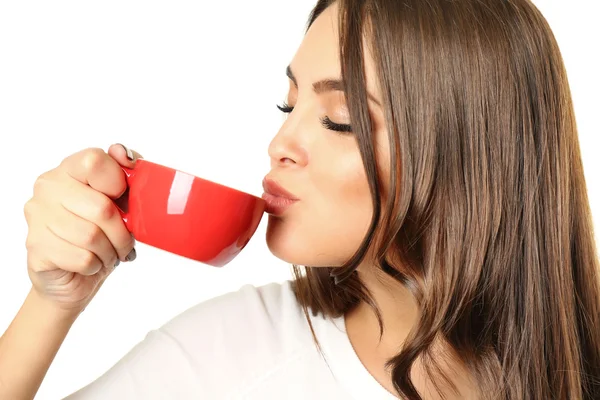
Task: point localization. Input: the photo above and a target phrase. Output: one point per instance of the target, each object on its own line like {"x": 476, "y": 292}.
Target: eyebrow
{"x": 326, "y": 85}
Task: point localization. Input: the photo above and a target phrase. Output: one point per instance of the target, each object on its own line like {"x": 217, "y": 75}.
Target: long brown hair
{"x": 487, "y": 220}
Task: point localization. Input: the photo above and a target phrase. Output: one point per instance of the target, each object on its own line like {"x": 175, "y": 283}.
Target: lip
{"x": 272, "y": 187}
{"x": 277, "y": 198}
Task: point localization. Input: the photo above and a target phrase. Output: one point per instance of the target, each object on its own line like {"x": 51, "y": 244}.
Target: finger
{"x": 100, "y": 210}
{"x": 123, "y": 155}
{"x": 82, "y": 233}
{"x": 60, "y": 254}
{"x": 97, "y": 169}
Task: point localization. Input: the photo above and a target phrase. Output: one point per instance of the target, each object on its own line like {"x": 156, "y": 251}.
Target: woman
{"x": 441, "y": 211}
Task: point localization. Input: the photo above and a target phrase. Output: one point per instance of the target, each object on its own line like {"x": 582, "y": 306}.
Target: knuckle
{"x": 36, "y": 264}
{"x": 93, "y": 158}
{"x": 28, "y": 209}
{"x": 92, "y": 235}
{"x": 88, "y": 260}
{"x": 104, "y": 209}
{"x": 34, "y": 240}
{"x": 90, "y": 264}
{"x": 30, "y": 242}
{"x": 41, "y": 182}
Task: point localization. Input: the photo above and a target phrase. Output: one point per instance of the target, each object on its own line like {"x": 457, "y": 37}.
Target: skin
{"x": 74, "y": 239}
{"x": 76, "y": 234}
{"x": 324, "y": 169}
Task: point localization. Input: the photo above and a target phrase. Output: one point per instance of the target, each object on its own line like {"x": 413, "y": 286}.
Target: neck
{"x": 398, "y": 310}
{"x": 399, "y": 313}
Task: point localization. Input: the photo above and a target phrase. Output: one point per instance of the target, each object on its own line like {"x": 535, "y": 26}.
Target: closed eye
{"x": 285, "y": 108}
{"x": 325, "y": 121}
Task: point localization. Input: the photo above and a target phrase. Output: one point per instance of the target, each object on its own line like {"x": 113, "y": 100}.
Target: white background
{"x": 190, "y": 84}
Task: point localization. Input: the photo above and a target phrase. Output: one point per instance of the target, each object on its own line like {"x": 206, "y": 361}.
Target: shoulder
{"x": 260, "y": 307}
{"x": 252, "y": 325}
{"x": 232, "y": 344}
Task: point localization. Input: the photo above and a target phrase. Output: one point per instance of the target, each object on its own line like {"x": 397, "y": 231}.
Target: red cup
{"x": 186, "y": 215}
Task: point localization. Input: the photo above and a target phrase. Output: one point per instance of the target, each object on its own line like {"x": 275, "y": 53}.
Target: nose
{"x": 286, "y": 148}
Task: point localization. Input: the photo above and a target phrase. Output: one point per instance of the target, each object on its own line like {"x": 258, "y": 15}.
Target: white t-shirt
{"x": 251, "y": 344}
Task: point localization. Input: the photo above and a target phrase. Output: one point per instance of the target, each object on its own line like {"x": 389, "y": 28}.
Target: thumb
{"x": 123, "y": 155}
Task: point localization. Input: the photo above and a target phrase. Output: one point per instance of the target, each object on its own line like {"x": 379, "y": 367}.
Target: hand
{"x": 76, "y": 235}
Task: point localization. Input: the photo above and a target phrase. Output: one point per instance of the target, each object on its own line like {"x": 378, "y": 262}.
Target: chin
{"x": 296, "y": 246}
{"x": 282, "y": 242}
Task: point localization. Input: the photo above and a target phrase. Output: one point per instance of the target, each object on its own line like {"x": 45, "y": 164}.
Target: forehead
{"x": 318, "y": 55}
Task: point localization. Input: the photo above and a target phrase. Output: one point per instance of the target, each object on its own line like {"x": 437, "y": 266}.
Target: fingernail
{"x": 132, "y": 255}
{"x": 127, "y": 151}
{"x": 117, "y": 263}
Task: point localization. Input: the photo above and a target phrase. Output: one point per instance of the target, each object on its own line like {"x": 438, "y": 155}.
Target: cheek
{"x": 348, "y": 200}
{"x": 343, "y": 185}
{"x": 333, "y": 217}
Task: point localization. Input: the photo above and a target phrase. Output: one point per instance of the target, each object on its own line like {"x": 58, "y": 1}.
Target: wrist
{"x": 53, "y": 309}
{"x": 30, "y": 343}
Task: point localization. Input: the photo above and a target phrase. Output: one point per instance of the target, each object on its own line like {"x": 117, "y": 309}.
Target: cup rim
{"x": 220, "y": 185}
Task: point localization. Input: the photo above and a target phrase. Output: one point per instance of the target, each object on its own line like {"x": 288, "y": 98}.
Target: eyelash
{"x": 325, "y": 121}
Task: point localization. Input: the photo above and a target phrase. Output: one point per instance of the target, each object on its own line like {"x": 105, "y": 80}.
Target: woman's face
{"x": 318, "y": 165}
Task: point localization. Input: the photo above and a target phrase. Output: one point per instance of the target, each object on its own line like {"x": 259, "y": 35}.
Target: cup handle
{"x": 122, "y": 202}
